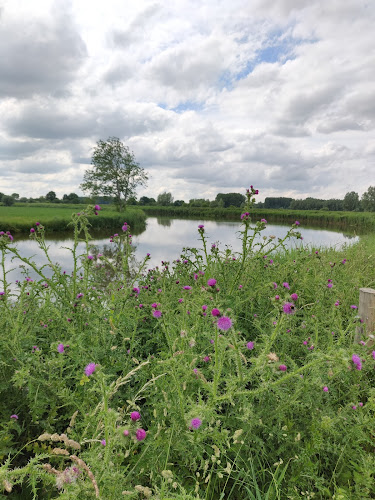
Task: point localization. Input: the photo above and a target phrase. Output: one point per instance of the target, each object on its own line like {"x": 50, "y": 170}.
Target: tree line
{"x": 115, "y": 175}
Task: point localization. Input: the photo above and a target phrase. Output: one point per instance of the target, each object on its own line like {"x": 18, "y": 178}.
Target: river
{"x": 164, "y": 239}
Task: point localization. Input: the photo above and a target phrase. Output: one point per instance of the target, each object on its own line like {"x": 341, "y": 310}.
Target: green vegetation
{"x": 21, "y": 218}
{"x": 358, "y": 221}
{"x": 217, "y": 376}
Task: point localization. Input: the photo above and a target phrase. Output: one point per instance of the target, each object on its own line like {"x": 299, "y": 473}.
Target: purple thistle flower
{"x": 79, "y": 295}
{"x": 204, "y": 307}
{"x": 125, "y": 227}
{"x": 215, "y": 312}
{"x": 156, "y": 313}
{"x": 60, "y": 348}
{"x": 286, "y": 285}
{"x": 263, "y": 220}
{"x": 373, "y": 355}
{"x": 325, "y": 389}
{"x": 89, "y": 369}
{"x": 283, "y": 368}
{"x": 250, "y": 345}
{"x": 274, "y": 285}
{"x": 97, "y": 208}
{"x": 329, "y": 285}
{"x": 32, "y": 230}
{"x": 211, "y": 282}
{"x": 294, "y": 296}
{"x": 187, "y": 287}
{"x": 288, "y": 308}
{"x": 103, "y": 442}
{"x": 14, "y": 416}
{"x": 135, "y": 415}
{"x": 224, "y": 323}
{"x": 297, "y": 223}
{"x": 357, "y": 361}
{"x": 90, "y": 257}
{"x": 353, "y": 307}
{"x": 201, "y": 226}
{"x": 126, "y": 432}
{"x": 196, "y": 423}
{"x": 140, "y": 434}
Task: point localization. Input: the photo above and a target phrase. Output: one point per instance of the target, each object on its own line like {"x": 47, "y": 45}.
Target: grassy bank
{"x": 19, "y": 219}
{"x": 359, "y": 221}
{"x": 212, "y": 377}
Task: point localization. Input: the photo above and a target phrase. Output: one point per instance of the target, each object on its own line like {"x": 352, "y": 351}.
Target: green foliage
{"x": 231, "y": 199}
{"x": 351, "y": 201}
{"x": 368, "y": 200}
{"x": 115, "y": 172}
{"x": 164, "y": 199}
{"x": 262, "y": 432}
{"x": 51, "y": 196}
{"x": 8, "y": 201}
{"x": 280, "y": 202}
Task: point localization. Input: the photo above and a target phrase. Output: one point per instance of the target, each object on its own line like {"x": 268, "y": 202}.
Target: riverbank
{"x": 358, "y": 221}
{"x": 20, "y": 218}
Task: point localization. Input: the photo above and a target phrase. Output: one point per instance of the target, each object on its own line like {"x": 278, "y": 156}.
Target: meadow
{"x": 215, "y": 376}
{"x": 19, "y": 218}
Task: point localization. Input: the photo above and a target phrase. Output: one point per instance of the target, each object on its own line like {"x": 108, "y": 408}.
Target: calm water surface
{"x": 164, "y": 239}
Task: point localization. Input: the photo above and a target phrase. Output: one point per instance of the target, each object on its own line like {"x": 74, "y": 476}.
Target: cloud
{"x": 39, "y": 56}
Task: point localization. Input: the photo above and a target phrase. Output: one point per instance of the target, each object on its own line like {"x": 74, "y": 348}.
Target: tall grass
{"x": 217, "y": 376}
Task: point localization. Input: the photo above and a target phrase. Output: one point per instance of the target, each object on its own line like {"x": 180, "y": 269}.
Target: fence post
{"x": 366, "y": 313}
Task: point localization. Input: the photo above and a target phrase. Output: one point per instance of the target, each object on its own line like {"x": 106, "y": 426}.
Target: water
{"x": 164, "y": 239}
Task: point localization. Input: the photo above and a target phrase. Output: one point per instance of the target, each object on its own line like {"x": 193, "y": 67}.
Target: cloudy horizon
{"x": 210, "y": 96}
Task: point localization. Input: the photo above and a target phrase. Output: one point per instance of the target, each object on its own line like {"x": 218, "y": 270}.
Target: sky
{"x": 212, "y": 96}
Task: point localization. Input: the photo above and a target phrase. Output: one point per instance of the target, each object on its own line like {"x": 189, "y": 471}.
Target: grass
{"x": 197, "y": 347}
{"x": 57, "y": 217}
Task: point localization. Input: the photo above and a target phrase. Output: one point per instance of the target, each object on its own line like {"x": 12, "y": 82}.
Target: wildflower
{"x": 294, "y": 296}
{"x": 103, "y": 442}
{"x": 283, "y": 368}
{"x": 156, "y": 313}
{"x": 187, "y": 287}
{"x": 125, "y": 227}
{"x": 250, "y": 345}
{"x": 357, "y": 361}
{"x": 297, "y": 223}
{"x": 135, "y": 415}
{"x": 263, "y": 220}
{"x": 354, "y": 407}
{"x": 204, "y": 307}
{"x": 140, "y": 434}
{"x": 89, "y": 369}
{"x": 245, "y": 215}
{"x": 353, "y": 307}
{"x": 337, "y": 303}
{"x": 154, "y": 305}
{"x": 329, "y": 285}
{"x": 180, "y": 301}
{"x": 360, "y": 404}
{"x": 14, "y": 417}
{"x": 224, "y": 323}
{"x": 136, "y": 290}
{"x": 343, "y": 261}
{"x": 196, "y": 423}
{"x": 215, "y": 312}
{"x": 79, "y": 295}
{"x": 325, "y": 389}
{"x": 97, "y": 208}
{"x": 201, "y": 226}
{"x": 60, "y": 348}
{"x": 126, "y": 432}
{"x": 90, "y": 257}
{"x": 286, "y": 285}
{"x": 288, "y": 308}
{"x": 207, "y": 359}
{"x": 32, "y": 230}
{"x": 373, "y": 355}
{"x": 211, "y": 282}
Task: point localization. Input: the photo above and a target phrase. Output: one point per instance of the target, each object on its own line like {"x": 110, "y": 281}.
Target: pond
{"x": 164, "y": 239}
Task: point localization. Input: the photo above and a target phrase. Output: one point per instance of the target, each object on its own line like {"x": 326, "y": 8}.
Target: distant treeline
{"x": 350, "y": 203}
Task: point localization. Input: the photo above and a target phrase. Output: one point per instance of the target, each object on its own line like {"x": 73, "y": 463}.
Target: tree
{"x": 71, "y": 198}
{"x": 351, "y": 201}
{"x": 8, "y": 201}
{"x": 115, "y": 172}
{"x": 145, "y": 200}
{"x": 51, "y": 196}
{"x": 368, "y": 200}
{"x": 165, "y": 199}
{"x": 15, "y": 196}
{"x": 229, "y": 199}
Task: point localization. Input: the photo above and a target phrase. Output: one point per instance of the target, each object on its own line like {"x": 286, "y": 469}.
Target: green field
{"x": 20, "y": 218}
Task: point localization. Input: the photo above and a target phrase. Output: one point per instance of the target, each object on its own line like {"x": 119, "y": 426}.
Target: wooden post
{"x": 366, "y": 313}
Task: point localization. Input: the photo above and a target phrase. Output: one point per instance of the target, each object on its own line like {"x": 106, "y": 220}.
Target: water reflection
{"x": 164, "y": 239}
